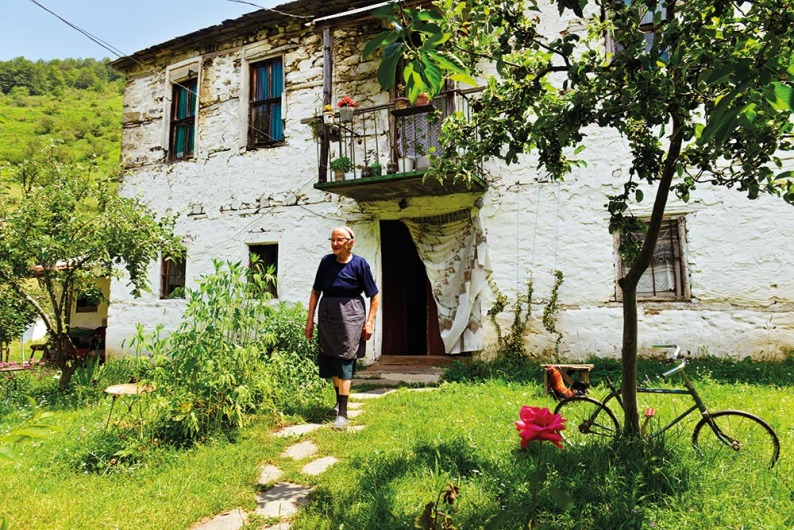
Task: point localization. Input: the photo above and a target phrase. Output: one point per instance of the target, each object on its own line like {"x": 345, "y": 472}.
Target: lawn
{"x": 414, "y": 444}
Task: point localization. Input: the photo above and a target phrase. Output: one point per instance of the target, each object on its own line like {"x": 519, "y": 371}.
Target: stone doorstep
{"x": 282, "y": 501}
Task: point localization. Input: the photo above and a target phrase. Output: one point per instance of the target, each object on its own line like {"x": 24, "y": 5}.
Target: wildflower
{"x": 539, "y": 423}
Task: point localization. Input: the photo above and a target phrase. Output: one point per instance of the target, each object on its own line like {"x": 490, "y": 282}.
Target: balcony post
{"x": 328, "y": 70}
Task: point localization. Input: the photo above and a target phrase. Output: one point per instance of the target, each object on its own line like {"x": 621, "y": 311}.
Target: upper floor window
{"x": 183, "y": 119}
{"x": 665, "y": 278}
{"x": 172, "y": 278}
{"x": 265, "y": 122}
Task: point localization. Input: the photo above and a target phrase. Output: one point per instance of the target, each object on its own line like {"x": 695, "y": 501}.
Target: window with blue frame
{"x": 183, "y": 119}
{"x": 265, "y": 122}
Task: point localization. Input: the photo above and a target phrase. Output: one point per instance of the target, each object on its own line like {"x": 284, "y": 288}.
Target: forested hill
{"x": 74, "y": 104}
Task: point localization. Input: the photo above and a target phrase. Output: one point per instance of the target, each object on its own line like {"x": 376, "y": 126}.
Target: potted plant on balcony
{"x": 346, "y": 107}
{"x": 422, "y": 99}
{"x": 340, "y": 166}
{"x": 328, "y": 115}
{"x": 376, "y": 169}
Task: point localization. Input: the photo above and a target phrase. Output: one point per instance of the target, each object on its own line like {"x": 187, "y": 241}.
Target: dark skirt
{"x": 340, "y": 324}
{"x": 341, "y": 368}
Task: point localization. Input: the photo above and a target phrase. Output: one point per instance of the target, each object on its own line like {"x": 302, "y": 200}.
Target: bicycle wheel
{"x": 736, "y": 437}
{"x": 589, "y": 421}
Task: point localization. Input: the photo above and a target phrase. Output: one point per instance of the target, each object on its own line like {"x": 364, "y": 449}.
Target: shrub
{"x": 233, "y": 353}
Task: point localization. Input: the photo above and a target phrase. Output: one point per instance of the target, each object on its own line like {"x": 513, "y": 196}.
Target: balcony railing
{"x": 383, "y": 151}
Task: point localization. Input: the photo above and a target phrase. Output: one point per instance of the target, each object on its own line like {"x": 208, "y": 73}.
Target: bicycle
{"x": 737, "y": 434}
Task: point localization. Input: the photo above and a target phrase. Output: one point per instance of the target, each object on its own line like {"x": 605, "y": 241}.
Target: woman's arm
{"x": 369, "y": 325}
{"x": 310, "y": 320}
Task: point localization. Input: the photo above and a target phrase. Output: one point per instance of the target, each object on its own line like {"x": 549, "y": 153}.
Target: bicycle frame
{"x": 688, "y": 390}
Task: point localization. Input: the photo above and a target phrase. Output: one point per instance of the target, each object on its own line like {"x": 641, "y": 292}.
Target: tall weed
{"x": 224, "y": 361}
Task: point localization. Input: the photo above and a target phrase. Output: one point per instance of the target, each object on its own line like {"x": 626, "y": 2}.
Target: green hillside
{"x": 73, "y": 104}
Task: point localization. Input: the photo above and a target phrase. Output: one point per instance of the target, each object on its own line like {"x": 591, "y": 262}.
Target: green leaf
{"x": 430, "y": 15}
{"x": 379, "y": 41}
{"x": 720, "y": 125}
{"x": 384, "y": 12}
{"x": 780, "y": 96}
{"x": 448, "y": 62}
{"x": 388, "y": 67}
{"x": 638, "y": 195}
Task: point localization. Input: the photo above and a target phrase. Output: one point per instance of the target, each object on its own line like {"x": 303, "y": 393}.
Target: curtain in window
{"x": 454, "y": 250}
{"x": 268, "y": 85}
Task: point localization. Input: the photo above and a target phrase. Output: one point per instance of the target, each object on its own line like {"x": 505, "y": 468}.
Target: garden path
{"x": 280, "y": 501}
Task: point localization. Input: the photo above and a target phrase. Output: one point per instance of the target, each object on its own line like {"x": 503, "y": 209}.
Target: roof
{"x": 234, "y": 29}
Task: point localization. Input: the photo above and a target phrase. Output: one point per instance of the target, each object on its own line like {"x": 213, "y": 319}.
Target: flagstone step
{"x": 300, "y": 450}
{"x": 319, "y": 466}
{"x": 282, "y": 500}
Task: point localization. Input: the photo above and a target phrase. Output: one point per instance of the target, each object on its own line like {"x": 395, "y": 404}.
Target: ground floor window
{"x": 172, "y": 278}
{"x": 264, "y": 259}
{"x": 666, "y": 276}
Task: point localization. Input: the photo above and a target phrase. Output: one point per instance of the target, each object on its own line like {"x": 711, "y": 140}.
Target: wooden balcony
{"x": 388, "y": 150}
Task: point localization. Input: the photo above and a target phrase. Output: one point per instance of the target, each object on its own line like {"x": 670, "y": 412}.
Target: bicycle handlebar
{"x": 678, "y": 368}
{"x": 674, "y": 356}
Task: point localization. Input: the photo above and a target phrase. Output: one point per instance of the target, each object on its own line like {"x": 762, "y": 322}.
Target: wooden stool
{"x": 582, "y": 371}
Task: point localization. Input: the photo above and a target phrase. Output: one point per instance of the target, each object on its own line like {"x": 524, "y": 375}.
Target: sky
{"x": 27, "y": 30}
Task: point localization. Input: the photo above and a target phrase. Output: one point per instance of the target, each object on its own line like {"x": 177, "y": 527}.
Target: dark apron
{"x": 340, "y": 324}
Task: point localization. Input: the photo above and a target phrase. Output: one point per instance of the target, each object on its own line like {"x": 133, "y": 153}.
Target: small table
{"x": 126, "y": 389}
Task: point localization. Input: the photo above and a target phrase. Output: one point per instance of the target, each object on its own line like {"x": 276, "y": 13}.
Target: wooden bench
{"x": 568, "y": 371}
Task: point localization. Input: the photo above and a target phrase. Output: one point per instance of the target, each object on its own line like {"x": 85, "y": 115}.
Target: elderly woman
{"x": 343, "y": 322}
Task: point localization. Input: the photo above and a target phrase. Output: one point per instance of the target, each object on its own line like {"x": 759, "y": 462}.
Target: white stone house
{"x": 245, "y": 164}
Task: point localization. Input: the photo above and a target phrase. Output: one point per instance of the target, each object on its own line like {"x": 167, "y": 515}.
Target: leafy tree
{"x": 60, "y": 230}
{"x": 703, "y": 91}
{"x": 15, "y": 315}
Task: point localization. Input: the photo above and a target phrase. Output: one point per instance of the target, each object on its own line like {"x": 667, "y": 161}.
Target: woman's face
{"x": 341, "y": 243}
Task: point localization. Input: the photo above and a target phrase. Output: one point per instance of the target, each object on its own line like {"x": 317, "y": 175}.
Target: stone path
{"x": 281, "y": 500}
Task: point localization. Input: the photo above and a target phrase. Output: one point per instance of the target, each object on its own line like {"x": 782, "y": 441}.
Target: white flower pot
{"x": 346, "y": 113}
{"x": 405, "y": 165}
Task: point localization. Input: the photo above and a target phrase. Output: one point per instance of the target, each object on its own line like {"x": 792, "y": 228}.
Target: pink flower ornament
{"x": 539, "y": 423}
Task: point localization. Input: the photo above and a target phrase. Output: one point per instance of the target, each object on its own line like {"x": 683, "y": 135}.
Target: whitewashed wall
{"x": 738, "y": 255}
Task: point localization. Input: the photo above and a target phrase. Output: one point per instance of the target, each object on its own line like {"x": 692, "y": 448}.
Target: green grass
{"x": 414, "y": 444}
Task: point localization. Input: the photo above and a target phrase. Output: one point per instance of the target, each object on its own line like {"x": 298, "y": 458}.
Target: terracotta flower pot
{"x": 422, "y": 99}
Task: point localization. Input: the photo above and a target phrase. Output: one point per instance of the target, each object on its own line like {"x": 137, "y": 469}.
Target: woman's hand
{"x": 369, "y": 327}
{"x": 309, "y": 332}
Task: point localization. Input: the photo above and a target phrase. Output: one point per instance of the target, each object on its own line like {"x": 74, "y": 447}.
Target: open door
{"x": 410, "y": 317}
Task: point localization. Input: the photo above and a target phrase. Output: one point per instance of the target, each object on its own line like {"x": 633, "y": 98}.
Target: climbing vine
{"x": 511, "y": 342}
{"x": 551, "y": 310}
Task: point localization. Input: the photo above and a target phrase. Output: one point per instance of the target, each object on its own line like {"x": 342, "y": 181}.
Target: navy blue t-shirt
{"x": 344, "y": 279}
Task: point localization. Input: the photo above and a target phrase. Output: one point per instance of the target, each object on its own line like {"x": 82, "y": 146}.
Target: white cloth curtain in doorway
{"x": 454, "y": 251}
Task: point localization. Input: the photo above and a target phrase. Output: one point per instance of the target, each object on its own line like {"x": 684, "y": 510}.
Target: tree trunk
{"x": 629, "y": 283}
{"x": 631, "y": 418}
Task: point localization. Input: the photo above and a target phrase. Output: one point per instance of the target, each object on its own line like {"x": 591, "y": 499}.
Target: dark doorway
{"x": 410, "y": 317}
